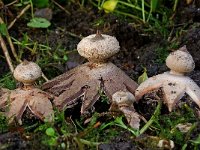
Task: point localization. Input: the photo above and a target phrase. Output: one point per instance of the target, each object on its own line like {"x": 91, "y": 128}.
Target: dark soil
{"x": 138, "y": 50}
{"x": 121, "y": 142}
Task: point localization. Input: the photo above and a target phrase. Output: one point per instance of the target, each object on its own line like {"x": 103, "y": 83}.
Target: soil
{"x": 119, "y": 143}
{"x": 137, "y": 50}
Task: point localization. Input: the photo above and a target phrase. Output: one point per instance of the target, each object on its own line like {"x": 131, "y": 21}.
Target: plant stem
{"x": 5, "y": 51}
{"x": 152, "y": 119}
{"x": 102, "y": 3}
{"x": 18, "y": 16}
{"x": 80, "y": 145}
{"x": 93, "y": 3}
{"x": 133, "y": 6}
{"x": 31, "y": 3}
{"x": 175, "y": 5}
{"x": 66, "y": 11}
{"x": 7, "y": 5}
{"x": 129, "y": 15}
{"x": 86, "y": 142}
{"x": 143, "y": 11}
{"x": 82, "y": 3}
{"x": 10, "y": 42}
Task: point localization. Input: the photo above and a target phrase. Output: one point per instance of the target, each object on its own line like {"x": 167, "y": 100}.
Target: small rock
{"x": 44, "y": 13}
{"x": 167, "y": 144}
{"x": 184, "y": 128}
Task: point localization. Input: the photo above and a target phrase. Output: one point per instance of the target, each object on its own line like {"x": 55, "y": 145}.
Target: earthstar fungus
{"x": 14, "y": 102}
{"x": 124, "y": 102}
{"x": 174, "y": 83}
{"x": 90, "y": 79}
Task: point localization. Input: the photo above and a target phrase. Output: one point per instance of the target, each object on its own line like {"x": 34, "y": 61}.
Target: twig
{"x": 10, "y": 43}
{"x": 12, "y": 48}
{"x": 44, "y": 77}
{"x": 70, "y": 33}
{"x": 18, "y": 16}
{"x": 5, "y": 51}
{"x": 152, "y": 119}
{"x": 7, "y": 5}
{"x": 67, "y": 12}
{"x": 74, "y": 35}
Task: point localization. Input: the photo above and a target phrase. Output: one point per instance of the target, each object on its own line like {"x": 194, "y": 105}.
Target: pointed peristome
{"x": 97, "y": 37}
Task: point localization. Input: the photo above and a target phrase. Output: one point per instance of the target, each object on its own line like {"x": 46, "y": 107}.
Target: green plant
{"x": 196, "y": 142}
{"x": 33, "y": 47}
{"x": 63, "y": 130}
{"x": 139, "y": 10}
{"x": 3, "y": 124}
{"x": 155, "y": 14}
{"x": 36, "y": 22}
{"x": 3, "y": 29}
{"x": 40, "y": 3}
{"x": 22, "y": 3}
{"x": 58, "y": 55}
{"x": 163, "y": 52}
{"x": 42, "y": 53}
{"x": 109, "y": 6}
{"x": 119, "y": 122}
{"x": 166, "y": 125}
{"x": 53, "y": 137}
{"x": 143, "y": 77}
{"x": 7, "y": 81}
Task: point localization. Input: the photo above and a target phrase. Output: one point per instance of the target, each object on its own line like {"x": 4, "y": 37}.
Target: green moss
{"x": 7, "y": 81}
{"x": 3, "y": 124}
{"x": 166, "y": 125}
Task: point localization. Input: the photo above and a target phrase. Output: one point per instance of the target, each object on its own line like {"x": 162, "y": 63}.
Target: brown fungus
{"x": 89, "y": 79}
{"x": 15, "y": 102}
{"x": 173, "y": 83}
